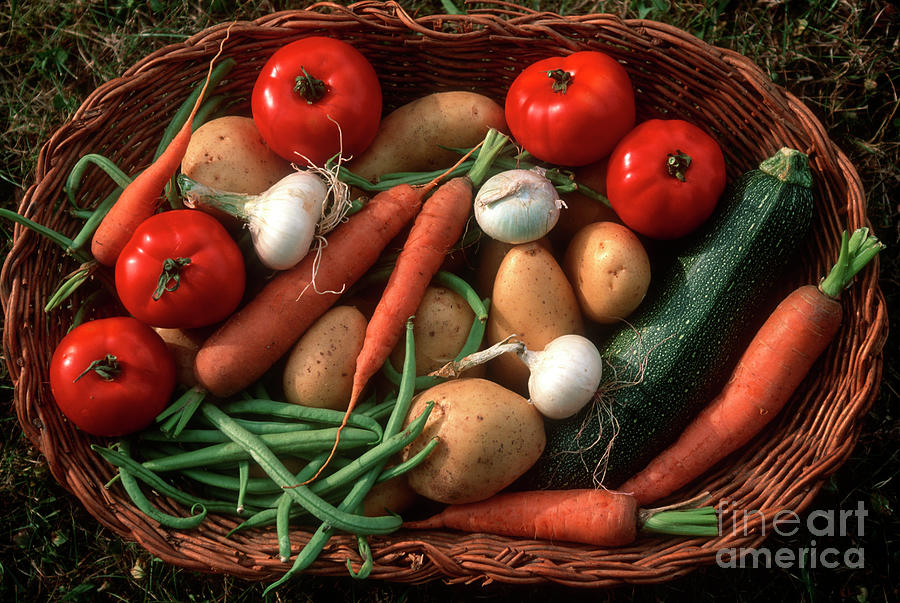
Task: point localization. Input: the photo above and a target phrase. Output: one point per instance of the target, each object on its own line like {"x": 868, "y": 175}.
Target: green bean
{"x": 265, "y": 457}
{"x": 82, "y": 214}
{"x": 93, "y": 221}
{"x": 58, "y": 238}
{"x": 282, "y": 527}
{"x": 295, "y": 443}
{"x": 255, "y": 485}
{"x": 263, "y": 427}
{"x": 214, "y": 436}
{"x": 104, "y": 163}
{"x": 306, "y": 557}
{"x": 206, "y": 109}
{"x": 379, "y": 411}
{"x": 259, "y": 392}
{"x": 68, "y": 287}
{"x": 176, "y": 416}
{"x": 358, "y": 492}
{"x": 187, "y": 436}
{"x": 375, "y": 456}
{"x": 133, "y": 489}
{"x": 266, "y": 516}
{"x": 118, "y": 459}
{"x": 257, "y": 502}
{"x": 401, "y": 468}
{"x": 286, "y": 410}
{"x": 365, "y": 551}
{"x": 243, "y": 478}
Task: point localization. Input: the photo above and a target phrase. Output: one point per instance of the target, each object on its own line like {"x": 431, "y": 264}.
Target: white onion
{"x": 517, "y": 206}
{"x": 283, "y": 220}
{"x": 564, "y": 375}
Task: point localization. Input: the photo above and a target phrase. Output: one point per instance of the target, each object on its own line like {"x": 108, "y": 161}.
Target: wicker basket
{"x": 673, "y": 73}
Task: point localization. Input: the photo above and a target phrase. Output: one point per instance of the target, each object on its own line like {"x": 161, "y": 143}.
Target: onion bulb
{"x": 563, "y": 378}
{"x": 564, "y": 375}
{"x": 517, "y": 206}
{"x": 283, "y": 220}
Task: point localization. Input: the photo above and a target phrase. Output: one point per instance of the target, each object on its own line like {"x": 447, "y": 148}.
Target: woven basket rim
{"x": 443, "y": 557}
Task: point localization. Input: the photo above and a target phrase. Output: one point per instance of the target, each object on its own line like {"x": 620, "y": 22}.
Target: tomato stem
{"x": 107, "y": 368}
{"x": 309, "y": 87}
{"x": 677, "y": 164}
{"x": 562, "y": 79}
{"x": 171, "y": 271}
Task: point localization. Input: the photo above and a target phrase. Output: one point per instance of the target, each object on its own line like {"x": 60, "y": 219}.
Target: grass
{"x": 839, "y": 56}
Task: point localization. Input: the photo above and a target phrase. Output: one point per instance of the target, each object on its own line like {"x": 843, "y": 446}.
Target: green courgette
{"x": 678, "y": 349}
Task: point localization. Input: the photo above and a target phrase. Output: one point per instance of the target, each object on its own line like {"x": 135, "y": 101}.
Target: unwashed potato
{"x": 609, "y": 270}
{"x": 410, "y": 138}
{"x": 487, "y": 436}
{"x": 228, "y": 154}
{"x": 319, "y": 368}
{"x": 440, "y": 329}
{"x": 533, "y": 300}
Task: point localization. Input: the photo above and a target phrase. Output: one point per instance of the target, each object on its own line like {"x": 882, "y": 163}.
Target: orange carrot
{"x": 260, "y": 333}
{"x": 597, "y": 517}
{"x": 140, "y": 199}
{"x": 772, "y": 367}
{"x": 436, "y": 229}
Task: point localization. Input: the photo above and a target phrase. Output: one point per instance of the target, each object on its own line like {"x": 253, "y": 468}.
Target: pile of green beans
{"x": 206, "y": 466}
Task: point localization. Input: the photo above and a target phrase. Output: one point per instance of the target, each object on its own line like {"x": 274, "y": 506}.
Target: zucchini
{"x": 680, "y": 346}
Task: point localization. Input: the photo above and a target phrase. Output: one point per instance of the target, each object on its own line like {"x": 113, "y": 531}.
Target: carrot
{"x": 140, "y": 199}
{"x": 256, "y": 336}
{"x": 771, "y": 368}
{"x": 434, "y": 232}
{"x": 603, "y": 518}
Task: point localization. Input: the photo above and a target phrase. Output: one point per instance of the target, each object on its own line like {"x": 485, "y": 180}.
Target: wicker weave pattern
{"x": 673, "y": 73}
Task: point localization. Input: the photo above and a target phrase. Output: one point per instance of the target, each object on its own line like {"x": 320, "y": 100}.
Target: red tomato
{"x": 665, "y": 178}
{"x": 306, "y": 90}
{"x": 571, "y": 110}
{"x": 180, "y": 269}
{"x": 112, "y": 376}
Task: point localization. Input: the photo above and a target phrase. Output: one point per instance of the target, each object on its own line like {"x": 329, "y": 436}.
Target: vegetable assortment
{"x": 572, "y": 364}
{"x": 690, "y": 332}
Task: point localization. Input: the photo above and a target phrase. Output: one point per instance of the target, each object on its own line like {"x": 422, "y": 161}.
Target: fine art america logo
{"x": 819, "y": 524}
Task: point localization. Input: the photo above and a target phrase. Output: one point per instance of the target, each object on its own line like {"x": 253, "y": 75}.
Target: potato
{"x": 490, "y": 254}
{"x": 229, "y": 154}
{"x": 409, "y": 138}
{"x": 319, "y": 368}
{"x": 487, "y": 436}
{"x": 442, "y": 324}
{"x": 533, "y": 300}
{"x": 609, "y": 270}
{"x": 392, "y": 496}
{"x": 580, "y": 209}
